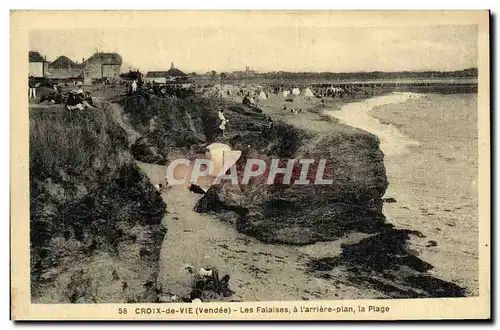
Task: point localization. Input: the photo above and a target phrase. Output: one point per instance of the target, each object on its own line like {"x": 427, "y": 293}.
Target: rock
{"x": 49, "y": 274}
{"x": 431, "y": 243}
{"x": 385, "y": 263}
{"x": 222, "y": 198}
{"x": 279, "y": 212}
{"x": 196, "y": 189}
{"x": 164, "y": 298}
{"x": 304, "y": 214}
{"x": 229, "y": 216}
{"x": 389, "y": 200}
{"x": 143, "y": 150}
{"x": 115, "y": 275}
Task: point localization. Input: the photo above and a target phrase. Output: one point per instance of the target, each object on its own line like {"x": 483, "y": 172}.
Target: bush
{"x": 63, "y": 140}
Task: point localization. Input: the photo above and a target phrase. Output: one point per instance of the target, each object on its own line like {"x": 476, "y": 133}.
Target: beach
{"x": 430, "y": 147}
{"x": 431, "y": 172}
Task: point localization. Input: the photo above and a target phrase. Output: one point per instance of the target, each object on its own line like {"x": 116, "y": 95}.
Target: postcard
{"x": 250, "y": 165}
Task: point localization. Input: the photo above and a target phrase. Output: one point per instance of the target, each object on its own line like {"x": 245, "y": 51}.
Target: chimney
{"x": 171, "y": 65}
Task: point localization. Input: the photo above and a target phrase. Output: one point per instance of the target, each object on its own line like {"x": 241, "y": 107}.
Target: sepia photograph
{"x": 269, "y": 160}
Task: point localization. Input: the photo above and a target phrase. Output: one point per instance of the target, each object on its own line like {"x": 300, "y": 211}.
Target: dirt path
{"x": 259, "y": 271}
{"x": 117, "y": 114}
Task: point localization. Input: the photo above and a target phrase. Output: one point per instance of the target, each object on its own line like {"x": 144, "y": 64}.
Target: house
{"x": 38, "y": 66}
{"x": 174, "y": 73}
{"x": 102, "y": 65}
{"x": 162, "y": 77}
{"x": 249, "y": 73}
{"x": 64, "y": 68}
{"x": 159, "y": 77}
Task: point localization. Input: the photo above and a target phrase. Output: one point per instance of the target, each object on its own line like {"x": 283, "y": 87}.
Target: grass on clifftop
{"x": 62, "y": 140}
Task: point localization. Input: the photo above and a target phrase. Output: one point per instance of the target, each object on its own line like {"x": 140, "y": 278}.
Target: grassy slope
{"x": 168, "y": 125}
{"x": 95, "y": 219}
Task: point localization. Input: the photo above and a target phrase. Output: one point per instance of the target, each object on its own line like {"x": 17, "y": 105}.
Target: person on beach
{"x": 246, "y": 100}
{"x": 32, "y": 88}
{"x": 224, "y": 121}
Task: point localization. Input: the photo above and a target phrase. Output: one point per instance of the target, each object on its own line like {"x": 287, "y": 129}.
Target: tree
{"x": 213, "y": 74}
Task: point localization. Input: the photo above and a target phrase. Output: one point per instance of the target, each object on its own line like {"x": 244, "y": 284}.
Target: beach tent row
{"x": 295, "y": 91}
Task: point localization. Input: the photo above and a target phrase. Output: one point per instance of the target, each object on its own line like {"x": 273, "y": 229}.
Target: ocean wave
{"x": 357, "y": 114}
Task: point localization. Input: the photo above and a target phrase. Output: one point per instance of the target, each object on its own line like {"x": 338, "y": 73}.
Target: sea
{"x": 430, "y": 143}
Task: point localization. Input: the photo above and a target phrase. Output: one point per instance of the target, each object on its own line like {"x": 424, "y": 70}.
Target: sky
{"x": 314, "y": 49}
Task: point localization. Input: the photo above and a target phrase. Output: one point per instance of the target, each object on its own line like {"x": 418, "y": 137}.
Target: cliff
{"x": 95, "y": 220}
{"x": 304, "y": 214}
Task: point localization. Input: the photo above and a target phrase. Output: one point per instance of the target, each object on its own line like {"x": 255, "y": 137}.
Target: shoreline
{"x": 419, "y": 174}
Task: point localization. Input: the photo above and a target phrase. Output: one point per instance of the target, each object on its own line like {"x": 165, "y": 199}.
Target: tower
{"x": 171, "y": 65}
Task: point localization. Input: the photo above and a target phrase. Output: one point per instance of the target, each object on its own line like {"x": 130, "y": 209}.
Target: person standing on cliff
{"x": 32, "y": 88}
{"x": 224, "y": 121}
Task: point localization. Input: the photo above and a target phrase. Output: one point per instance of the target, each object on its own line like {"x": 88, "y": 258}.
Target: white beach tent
{"x": 285, "y": 93}
{"x": 296, "y": 91}
{"x": 222, "y": 155}
{"x": 262, "y": 96}
{"x": 308, "y": 92}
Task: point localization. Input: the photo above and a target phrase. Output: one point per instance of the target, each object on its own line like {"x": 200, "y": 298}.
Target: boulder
{"x": 142, "y": 149}
{"x": 304, "y": 214}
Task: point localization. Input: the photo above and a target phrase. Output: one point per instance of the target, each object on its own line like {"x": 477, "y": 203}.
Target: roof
{"x": 36, "y": 57}
{"x": 105, "y": 58}
{"x": 170, "y": 73}
{"x": 157, "y": 74}
{"x": 63, "y": 62}
{"x": 175, "y": 73}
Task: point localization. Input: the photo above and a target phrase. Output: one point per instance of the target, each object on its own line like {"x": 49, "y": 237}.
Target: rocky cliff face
{"x": 303, "y": 214}
{"x": 95, "y": 219}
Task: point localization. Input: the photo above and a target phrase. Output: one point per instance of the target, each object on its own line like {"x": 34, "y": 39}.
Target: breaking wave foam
{"x": 356, "y": 114}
